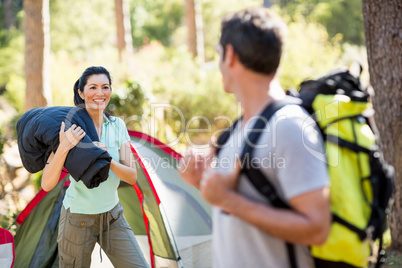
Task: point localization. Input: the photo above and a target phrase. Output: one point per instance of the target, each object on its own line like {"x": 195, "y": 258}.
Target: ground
{"x": 394, "y": 259}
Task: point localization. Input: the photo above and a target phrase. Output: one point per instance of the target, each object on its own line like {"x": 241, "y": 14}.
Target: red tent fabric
{"x": 7, "y": 251}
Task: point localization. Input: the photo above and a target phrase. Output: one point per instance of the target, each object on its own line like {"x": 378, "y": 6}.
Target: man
{"x": 247, "y": 230}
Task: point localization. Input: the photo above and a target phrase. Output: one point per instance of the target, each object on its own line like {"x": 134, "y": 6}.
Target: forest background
{"x": 161, "y": 55}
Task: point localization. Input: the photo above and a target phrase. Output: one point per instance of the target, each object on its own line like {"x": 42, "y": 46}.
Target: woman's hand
{"x": 67, "y": 141}
{"x": 100, "y": 145}
{"x": 71, "y": 137}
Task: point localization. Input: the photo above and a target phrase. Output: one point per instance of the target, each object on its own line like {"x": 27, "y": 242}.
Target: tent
{"x": 169, "y": 218}
{"x": 7, "y": 253}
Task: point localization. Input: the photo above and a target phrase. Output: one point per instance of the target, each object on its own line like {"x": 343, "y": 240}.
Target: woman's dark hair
{"x": 82, "y": 81}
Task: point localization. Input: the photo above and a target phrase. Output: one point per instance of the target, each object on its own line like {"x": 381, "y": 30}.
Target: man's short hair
{"x": 257, "y": 36}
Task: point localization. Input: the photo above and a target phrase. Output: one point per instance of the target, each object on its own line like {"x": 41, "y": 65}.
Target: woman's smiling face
{"x": 97, "y": 90}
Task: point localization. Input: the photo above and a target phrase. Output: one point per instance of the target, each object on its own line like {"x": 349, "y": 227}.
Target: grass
{"x": 393, "y": 259}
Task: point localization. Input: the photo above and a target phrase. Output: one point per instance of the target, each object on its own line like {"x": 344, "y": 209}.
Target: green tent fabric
{"x": 169, "y": 218}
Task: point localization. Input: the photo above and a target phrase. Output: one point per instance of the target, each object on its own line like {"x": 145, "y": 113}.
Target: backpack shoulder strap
{"x": 224, "y": 137}
{"x": 262, "y": 121}
{"x": 256, "y": 177}
{"x": 260, "y": 182}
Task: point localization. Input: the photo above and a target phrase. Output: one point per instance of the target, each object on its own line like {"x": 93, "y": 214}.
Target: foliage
{"x": 344, "y": 17}
{"x": 7, "y": 221}
{"x": 393, "y": 259}
{"x": 12, "y": 67}
{"x": 82, "y": 34}
{"x": 163, "y": 21}
{"x": 3, "y": 141}
{"x": 307, "y": 53}
{"x": 165, "y": 73}
{"x": 179, "y": 92}
{"x": 155, "y": 20}
{"x": 7, "y": 136}
{"x": 203, "y": 111}
{"x": 128, "y": 102}
{"x": 341, "y": 17}
{"x": 212, "y": 13}
{"x": 8, "y": 131}
{"x": 16, "y": 7}
{"x": 36, "y": 180}
{"x": 79, "y": 27}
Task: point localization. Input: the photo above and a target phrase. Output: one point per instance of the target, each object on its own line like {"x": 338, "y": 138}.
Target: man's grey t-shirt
{"x": 290, "y": 153}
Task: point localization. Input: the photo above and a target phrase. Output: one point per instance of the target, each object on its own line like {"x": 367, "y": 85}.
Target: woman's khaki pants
{"x": 78, "y": 234}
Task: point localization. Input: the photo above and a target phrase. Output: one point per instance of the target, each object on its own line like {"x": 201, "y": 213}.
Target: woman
{"x": 95, "y": 215}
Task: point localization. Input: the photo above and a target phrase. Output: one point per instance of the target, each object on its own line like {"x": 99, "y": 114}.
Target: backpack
{"x": 361, "y": 182}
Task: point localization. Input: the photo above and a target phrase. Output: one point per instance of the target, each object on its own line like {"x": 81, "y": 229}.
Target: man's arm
{"x": 308, "y": 223}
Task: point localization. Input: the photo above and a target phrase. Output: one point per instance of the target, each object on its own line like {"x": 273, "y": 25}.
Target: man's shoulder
{"x": 291, "y": 116}
{"x": 292, "y": 111}
{"x": 293, "y": 127}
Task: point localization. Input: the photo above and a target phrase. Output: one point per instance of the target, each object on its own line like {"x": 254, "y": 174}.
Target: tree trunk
{"x": 37, "y": 52}
{"x": 121, "y": 42}
{"x": 9, "y": 18}
{"x": 123, "y": 25}
{"x": 195, "y": 28}
{"x": 383, "y": 28}
{"x": 199, "y": 25}
{"x": 191, "y": 27}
